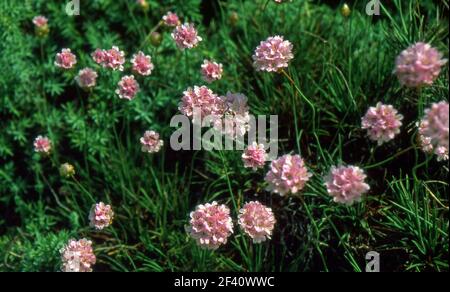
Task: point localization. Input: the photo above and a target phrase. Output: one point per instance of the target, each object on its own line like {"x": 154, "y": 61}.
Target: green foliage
{"x": 342, "y": 66}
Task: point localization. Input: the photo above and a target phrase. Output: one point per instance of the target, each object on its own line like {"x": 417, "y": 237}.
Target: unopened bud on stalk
{"x": 345, "y": 10}
{"x": 234, "y": 18}
{"x": 155, "y": 38}
{"x": 67, "y": 170}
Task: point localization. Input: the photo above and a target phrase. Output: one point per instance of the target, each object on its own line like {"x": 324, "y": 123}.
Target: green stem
{"x": 390, "y": 158}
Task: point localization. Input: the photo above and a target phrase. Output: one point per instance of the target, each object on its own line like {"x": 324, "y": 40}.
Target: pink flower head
{"x": 186, "y": 36}
{"x": 101, "y": 216}
{"x": 77, "y": 256}
{"x": 86, "y": 78}
{"x": 281, "y": 1}
{"x": 128, "y": 87}
{"x": 40, "y": 21}
{"x": 171, "y": 19}
{"x": 142, "y": 64}
{"x": 112, "y": 58}
{"x": 419, "y": 65}
{"x": 433, "y": 130}
{"x": 99, "y": 56}
{"x": 273, "y": 54}
{"x": 257, "y": 221}
{"x": 150, "y": 142}
{"x": 382, "y": 123}
{"x": 346, "y": 184}
{"x": 65, "y": 59}
{"x": 232, "y": 117}
{"x": 200, "y": 99}
{"x": 210, "y": 225}
{"x": 42, "y": 145}
{"x": 211, "y": 71}
{"x": 254, "y": 156}
{"x": 287, "y": 174}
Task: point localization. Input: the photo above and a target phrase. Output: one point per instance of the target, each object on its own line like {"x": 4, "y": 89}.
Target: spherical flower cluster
{"x": 86, "y": 78}
{"x": 142, "y": 64}
{"x": 171, "y": 19}
{"x": 232, "y": 117}
{"x": 186, "y": 36}
{"x": 66, "y": 170}
{"x": 273, "y": 54}
{"x": 210, "y": 225}
{"x": 127, "y": 87}
{"x": 287, "y": 174}
{"x": 433, "y": 130}
{"x": 77, "y": 256}
{"x": 101, "y": 216}
{"x": 382, "y": 123}
{"x": 150, "y": 142}
{"x": 40, "y": 21}
{"x": 346, "y": 184}
{"x": 211, "y": 71}
{"x": 65, "y": 59}
{"x": 42, "y": 145}
{"x": 257, "y": 221}
{"x": 112, "y": 58}
{"x": 419, "y": 65}
{"x": 200, "y": 99}
{"x": 254, "y": 156}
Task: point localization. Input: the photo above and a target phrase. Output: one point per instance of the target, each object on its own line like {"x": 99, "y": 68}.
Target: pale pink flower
{"x": 201, "y": 99}
{"x": 232, "y": 117}
{"x": 433, "y": 130}
{"x": 112, "y": 58}
{"x": 142, "y": 64}
{"x": 99, "y": 56}
{"x": 186, "y": 36}
{"x": 254, "y": 156}
{"x": 150, "y": 142}
{"x": 346, "y": 184}
{"x": 101, "y": 216}
{"x": 257, "y": 221}
{"x": 211, "y": 71}
{"x": 127, "y": 87}
{"x": 382, "y": 123}
{"x": 210, "y": 225}
{"x": 419, "y": 65}
{"x": 171, "y": 19}
{"x": 77, "y": 256}
{"x": 273, "y": 54}
{"x": 287, "y": 174}
{"x": 40, "y": 21}
{"x": 42, "y": 145}
{"x": 65, "y": 59}
{"x": 86, "y": 78}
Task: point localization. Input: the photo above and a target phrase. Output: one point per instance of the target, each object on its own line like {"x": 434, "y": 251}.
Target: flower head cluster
{"x": 150, "y": 142}
{"x": 211, "y": 71}
{"x": 433, "y": 130}
{"x": 346, "y": 184}
{"x": 41, "y": 25}
{"x": 171, "y": 19}
{"x": 273, "y": 54}
{"x": 112, "y": 58}
{"x": 127, "y": 87}
{"x": 65, "y": 59}
{"x": 287, "y": 174}
{"x": 232, "y": 117}
{"x": 257, "y": 221}
{"x": 382, "y": 123}
{"x": 186, "y": 36}
{"x": 210, "y": 225}
{"x": 86, "y": 78}
{"x": 419, "y": 65}
{"x": 254, "y": 156}
{"x": 77, "y": 256}
{"x": 42, "y": 145}
{"x": 200, "y": 99}
{"x": 67, "y": 170}
{"x": 142, "y": 64}
{"x": 101, "y": 216}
